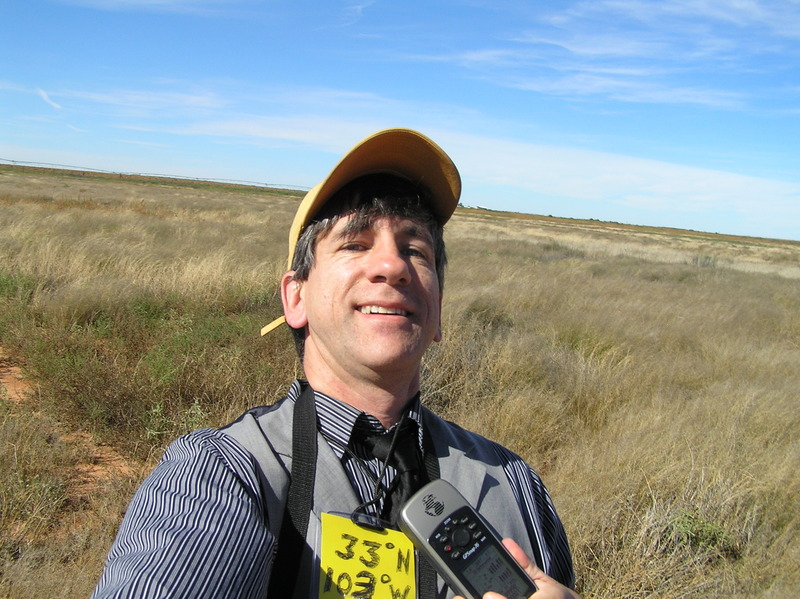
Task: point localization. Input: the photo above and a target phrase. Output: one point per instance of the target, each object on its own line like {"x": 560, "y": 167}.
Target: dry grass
{"x": 54, "y": 529}
{"x": 649, "y": 375}
{"x": 658, "y": 397}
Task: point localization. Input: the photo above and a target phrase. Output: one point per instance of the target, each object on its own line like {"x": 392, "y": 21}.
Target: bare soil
{"x": 102, "y": 464}
{"x": 17, "y": 389}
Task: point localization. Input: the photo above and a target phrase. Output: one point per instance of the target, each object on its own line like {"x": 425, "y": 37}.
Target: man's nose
{"x": 387, "y": 264}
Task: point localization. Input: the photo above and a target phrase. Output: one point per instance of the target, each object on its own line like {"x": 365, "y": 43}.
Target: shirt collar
{"x": 337, "y": 419}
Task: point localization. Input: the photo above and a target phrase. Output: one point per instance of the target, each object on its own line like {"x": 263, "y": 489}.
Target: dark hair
{"x": 366, "y": 199}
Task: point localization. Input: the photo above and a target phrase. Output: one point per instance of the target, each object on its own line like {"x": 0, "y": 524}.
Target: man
{"x": 301, "y": 498}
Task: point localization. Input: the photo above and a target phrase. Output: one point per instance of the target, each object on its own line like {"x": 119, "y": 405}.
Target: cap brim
{"x": 402, "y": 152}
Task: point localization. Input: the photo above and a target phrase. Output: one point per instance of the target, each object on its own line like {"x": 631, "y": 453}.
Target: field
{"x": 650, "y": 375}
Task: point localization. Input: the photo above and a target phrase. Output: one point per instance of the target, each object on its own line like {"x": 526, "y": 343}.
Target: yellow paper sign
{"x": 361, "y": 563}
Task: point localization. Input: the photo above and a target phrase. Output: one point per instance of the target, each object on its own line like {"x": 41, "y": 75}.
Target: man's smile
{"x": 383, "y": 310}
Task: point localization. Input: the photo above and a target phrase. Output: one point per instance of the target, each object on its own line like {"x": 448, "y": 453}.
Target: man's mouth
{"x": 382, "y": 310}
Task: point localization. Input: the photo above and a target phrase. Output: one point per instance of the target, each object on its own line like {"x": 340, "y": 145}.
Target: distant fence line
{"x": 161, "y": 176}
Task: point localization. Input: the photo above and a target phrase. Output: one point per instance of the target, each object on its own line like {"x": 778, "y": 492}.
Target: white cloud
{"x": 150, "y": 100}
{"x": 146, "y": 144}
{"x": 670, "y": 52}
{"x": 196, "y": 7}
{"x": 321, "y": 133}
{"x": 562, "y": 172}
{"x": 10, "y": 86}
{"x": 354, "y": 11}
{"x": 598, "y": 45}
{"x": 740, "y": 12}
{"x": 629, "y": 89}
{"x": 43, "y": 95}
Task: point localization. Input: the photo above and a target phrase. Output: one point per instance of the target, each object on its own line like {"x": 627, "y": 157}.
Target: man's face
{"x": 371, "y": 302}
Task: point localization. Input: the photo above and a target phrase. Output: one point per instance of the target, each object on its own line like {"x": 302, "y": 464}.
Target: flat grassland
{"x": 650, "y": 375}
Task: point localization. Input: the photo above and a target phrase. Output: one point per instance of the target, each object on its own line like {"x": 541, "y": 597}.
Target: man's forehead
{"x": 354, "y": 224}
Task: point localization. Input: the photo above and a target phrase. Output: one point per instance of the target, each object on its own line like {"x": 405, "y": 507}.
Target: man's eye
{"x": 418, "y": 253}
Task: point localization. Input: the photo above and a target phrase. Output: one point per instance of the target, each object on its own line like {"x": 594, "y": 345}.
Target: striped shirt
{"x": 195, "y": 527}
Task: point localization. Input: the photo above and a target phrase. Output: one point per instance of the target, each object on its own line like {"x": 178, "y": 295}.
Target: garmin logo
{"x": 433, "y": 507}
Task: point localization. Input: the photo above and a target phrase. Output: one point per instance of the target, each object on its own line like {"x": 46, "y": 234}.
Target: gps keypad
{"x": 459, "y": 534}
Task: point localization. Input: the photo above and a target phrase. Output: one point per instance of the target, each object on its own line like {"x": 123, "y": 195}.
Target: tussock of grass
{"x": 51, "y": 545}
{"x": 47, "y": 541}
{"x": 651, "y": 377}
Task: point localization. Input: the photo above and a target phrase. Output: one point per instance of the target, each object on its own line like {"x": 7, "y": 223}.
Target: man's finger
{"x": 518, "y": 554}
{"x": 547, "y": 586}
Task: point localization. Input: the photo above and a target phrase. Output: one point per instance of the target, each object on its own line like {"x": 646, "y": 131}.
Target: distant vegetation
{"x": 651, "y": 376}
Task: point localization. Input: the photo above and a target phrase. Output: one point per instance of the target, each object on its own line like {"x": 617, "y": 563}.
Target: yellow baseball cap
{"x": 401, "y": 152}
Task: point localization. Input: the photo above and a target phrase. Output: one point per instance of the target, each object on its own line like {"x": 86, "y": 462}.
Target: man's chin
{"x": 393, "y": 357}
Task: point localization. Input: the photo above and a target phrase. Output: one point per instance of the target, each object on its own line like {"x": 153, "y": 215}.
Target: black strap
{"x": 299, "y": 501}
{"x": 427, "y": 575}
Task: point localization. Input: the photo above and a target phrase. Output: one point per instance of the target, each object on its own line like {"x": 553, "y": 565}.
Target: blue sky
{"x": 680, "y": 113}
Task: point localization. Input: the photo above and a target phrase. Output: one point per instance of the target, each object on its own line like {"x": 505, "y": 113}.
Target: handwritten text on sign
{"x": 361, "y": 563}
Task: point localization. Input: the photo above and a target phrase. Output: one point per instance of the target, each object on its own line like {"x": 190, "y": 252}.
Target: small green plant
{"x": 33, "y": 467}
{"x": 688, "y": 528}
{"x": 156, "y": 423}
{"x": 193, "y": 417}
{"x": 16, "y": 285}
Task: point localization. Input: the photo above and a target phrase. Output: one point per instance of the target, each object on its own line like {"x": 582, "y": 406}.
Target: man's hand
{"x": 548, "y": 587}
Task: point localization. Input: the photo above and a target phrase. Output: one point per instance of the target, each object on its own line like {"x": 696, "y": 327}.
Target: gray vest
{"x": 466, "y": 460}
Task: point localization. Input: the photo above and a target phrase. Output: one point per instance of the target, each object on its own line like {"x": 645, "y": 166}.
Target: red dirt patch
{"x": 16, "y": 388}
{"x": 104, "y": 462}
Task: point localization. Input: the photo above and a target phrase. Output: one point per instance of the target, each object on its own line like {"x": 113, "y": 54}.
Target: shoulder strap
{"x": 288, "y": 498}
{"x": 427, "y": 574}
{"x": 299, "y": 502}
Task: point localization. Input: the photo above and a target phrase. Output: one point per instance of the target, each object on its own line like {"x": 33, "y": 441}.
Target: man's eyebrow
{"x": 349, "y": 230}
{"x": 418, "y": 231}
{"x": 356, "y": 227}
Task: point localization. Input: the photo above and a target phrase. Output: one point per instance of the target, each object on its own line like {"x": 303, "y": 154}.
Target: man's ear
{"x": 293, "y": 305}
